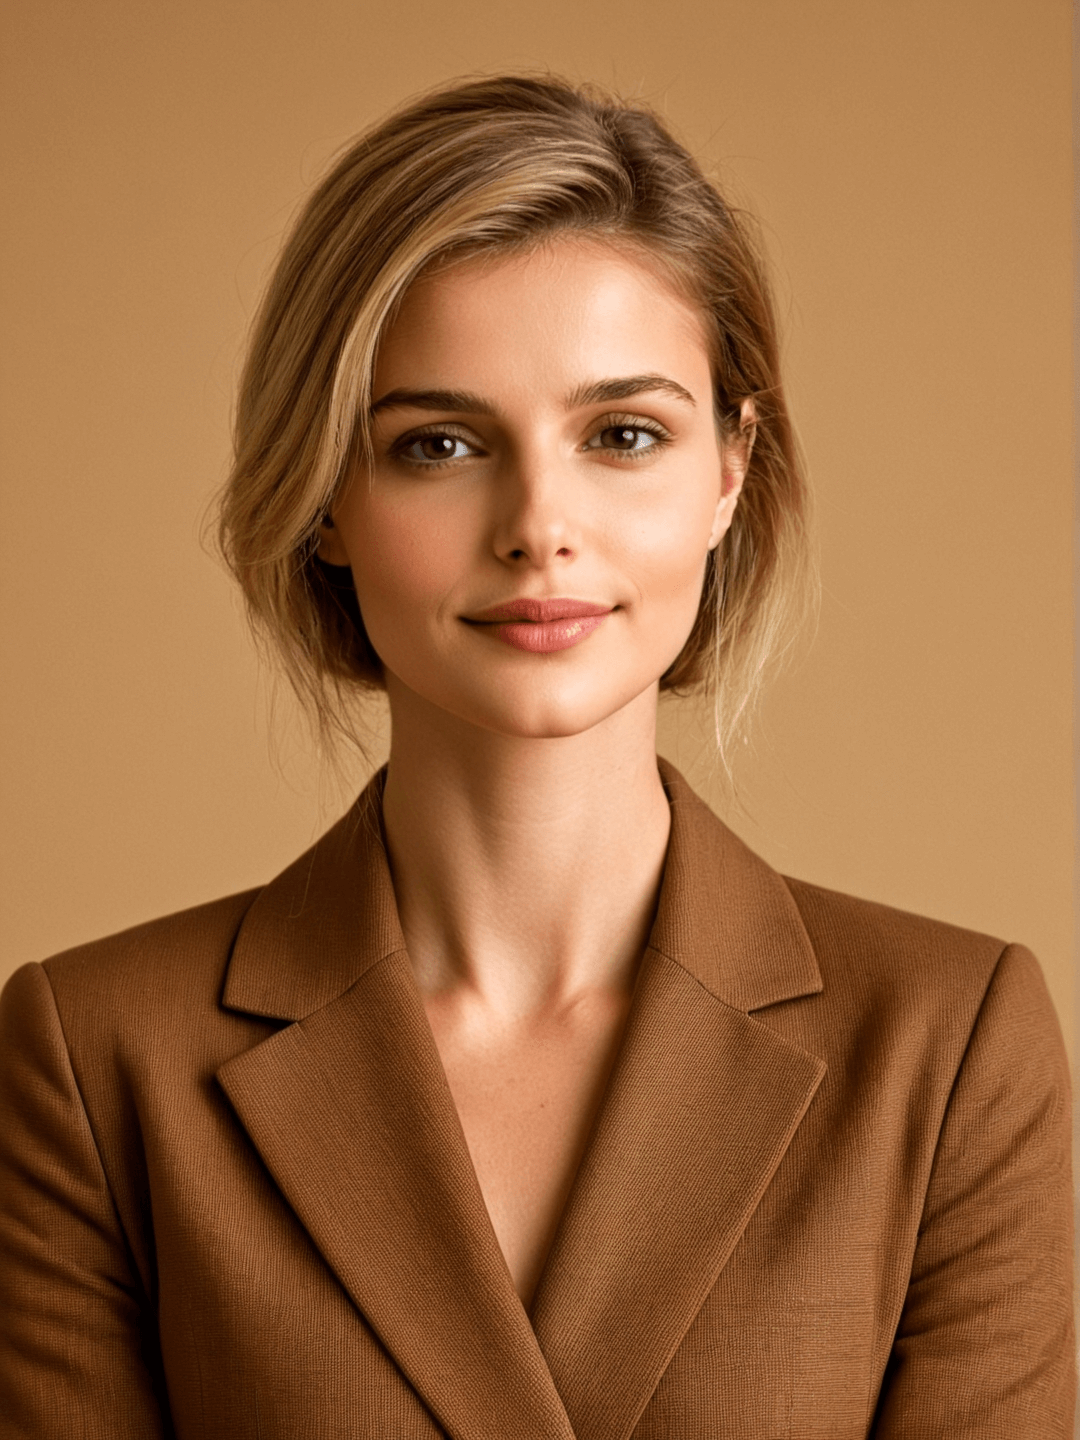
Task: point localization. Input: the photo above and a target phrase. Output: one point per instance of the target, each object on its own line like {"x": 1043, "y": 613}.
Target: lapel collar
{"x": 350, "y": 1110}
{"x": 726, "y": 916}
{"x": 700, "y": 1108}
{"x": 313, "y": 931}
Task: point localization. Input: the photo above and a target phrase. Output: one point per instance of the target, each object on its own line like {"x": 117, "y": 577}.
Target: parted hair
{"x": 485, "y": 166}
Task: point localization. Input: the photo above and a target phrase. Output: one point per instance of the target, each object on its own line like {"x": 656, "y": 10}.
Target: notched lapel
{"x": 321, "y": 923}
{"x": 350, "y": 1110}
{"x": 701, "y": 1106}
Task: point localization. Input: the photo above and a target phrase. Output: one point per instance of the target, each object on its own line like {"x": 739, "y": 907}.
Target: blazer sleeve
{"x": 984, "y": 1347}
{"x": 72, "y": 1308}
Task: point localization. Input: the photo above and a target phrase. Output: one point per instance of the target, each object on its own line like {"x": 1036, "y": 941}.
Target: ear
{"x": 331, "y": 549}
{"x": 734, "y": 463}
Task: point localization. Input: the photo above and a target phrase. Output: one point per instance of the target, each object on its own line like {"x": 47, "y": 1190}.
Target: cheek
{"x": 666, "y": 549}
{"x": 402, "y": 557}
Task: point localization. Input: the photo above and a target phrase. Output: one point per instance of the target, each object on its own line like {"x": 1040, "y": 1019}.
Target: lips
{"x": 539, "y": 612}
{"x": 541, "y": 626}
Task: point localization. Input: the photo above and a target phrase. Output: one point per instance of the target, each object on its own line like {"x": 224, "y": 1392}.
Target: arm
{"x": 72, "y": 1318}
{"x": 984, "y": 1347}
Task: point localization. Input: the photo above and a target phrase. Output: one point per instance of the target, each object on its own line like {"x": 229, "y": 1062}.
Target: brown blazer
{"x": 827, "y": 1193}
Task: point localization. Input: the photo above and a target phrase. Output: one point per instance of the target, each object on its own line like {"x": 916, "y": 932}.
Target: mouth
{"x": 541, "y": 626}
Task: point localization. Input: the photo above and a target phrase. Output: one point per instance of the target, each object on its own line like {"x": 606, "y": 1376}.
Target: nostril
{"x": 562, "y": 551}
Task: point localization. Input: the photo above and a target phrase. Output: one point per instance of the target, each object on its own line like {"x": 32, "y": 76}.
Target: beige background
{"x": 911, "y": 164}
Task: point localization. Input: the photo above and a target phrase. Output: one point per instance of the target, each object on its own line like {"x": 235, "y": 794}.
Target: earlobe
{"x": 722, "y": 519}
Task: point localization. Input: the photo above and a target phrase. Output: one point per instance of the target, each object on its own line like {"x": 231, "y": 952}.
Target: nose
{"x": 537, "y": 522}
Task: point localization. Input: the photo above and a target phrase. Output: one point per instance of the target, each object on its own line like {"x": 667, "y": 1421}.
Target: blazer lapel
{"x": 700, "y": 1108}
{"x": 350, "y": 1110}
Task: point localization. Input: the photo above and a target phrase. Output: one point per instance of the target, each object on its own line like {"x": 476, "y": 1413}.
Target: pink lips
{"x": 542, "y": 626}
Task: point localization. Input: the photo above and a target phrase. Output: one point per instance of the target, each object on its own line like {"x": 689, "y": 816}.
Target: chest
{"x": 254, "y": 1323}
{"x": 526, "y": 1097}
{"x": 310, "y": 1240}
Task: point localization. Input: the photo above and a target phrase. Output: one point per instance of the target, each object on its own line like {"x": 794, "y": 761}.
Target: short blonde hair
{"x": 483, "y": 167}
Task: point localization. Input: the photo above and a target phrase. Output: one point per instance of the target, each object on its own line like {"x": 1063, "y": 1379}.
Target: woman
{"x": 529, "y": 1102}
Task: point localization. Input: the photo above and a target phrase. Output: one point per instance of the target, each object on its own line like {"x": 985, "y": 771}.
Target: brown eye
{"x": 437, "y": 447}
{"x": 433, "y": 449}
{"x": 621, "y": 437}
{"x": 625, "y": 439}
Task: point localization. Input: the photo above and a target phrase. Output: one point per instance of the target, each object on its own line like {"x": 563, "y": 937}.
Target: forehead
{"x": 575, "y": 305}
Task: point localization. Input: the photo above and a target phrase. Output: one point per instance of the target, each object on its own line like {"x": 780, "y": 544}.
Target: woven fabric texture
{"x": 827, "y": 1193}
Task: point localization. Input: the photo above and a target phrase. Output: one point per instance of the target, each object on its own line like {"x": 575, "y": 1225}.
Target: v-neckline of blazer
{"x": 350, "y": 1110}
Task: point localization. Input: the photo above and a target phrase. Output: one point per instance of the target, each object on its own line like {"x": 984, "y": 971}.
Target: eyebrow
{"x": 623, "y": 388}
{"x": 596, "y": 393}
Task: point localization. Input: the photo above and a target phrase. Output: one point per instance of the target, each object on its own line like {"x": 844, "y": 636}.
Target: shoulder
{"x": 891, "y": 973}
{"x": 157, "y": 953}
{"x": 890, "y": 945}
{"x": 141, "y": 980}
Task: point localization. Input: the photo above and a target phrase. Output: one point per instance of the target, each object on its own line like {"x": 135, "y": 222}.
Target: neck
{"x": 526, "y": 871}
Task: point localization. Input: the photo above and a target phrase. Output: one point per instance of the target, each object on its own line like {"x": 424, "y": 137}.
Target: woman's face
{"x": 530, "y": 548}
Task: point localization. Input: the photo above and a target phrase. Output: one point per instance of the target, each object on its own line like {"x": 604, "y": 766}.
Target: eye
{"x": 433, "y": 447}
{"x": 628, "y": 438}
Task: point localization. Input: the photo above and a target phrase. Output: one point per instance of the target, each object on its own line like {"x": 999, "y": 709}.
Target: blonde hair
{"x": 488, "y": 166}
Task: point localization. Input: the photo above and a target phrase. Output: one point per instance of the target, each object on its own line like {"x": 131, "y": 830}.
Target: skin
{"x": 525, "y": 820}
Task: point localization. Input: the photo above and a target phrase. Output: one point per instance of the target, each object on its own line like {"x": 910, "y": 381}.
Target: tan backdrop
{"x": 910, "y": 161}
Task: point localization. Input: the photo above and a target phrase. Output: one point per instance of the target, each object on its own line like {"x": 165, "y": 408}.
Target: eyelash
{"x": 428, "y": 432}
{"x": 659, "y": 433}
{"x": 661, "y": 438}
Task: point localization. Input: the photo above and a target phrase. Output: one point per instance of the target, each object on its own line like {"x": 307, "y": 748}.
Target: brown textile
{"x": 827, "y": 1193}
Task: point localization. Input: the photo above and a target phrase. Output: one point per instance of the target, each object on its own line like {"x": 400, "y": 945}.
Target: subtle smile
{"x": 541, "y": 626}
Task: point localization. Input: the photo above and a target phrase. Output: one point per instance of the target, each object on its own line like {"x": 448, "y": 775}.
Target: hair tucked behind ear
{"x": 487, "y": 166}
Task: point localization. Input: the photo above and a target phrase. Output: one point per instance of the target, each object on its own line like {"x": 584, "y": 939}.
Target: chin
{"x": 556, "y": 724}
{"x": 526, "y": 703}
{"x": 556, "y": 713}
